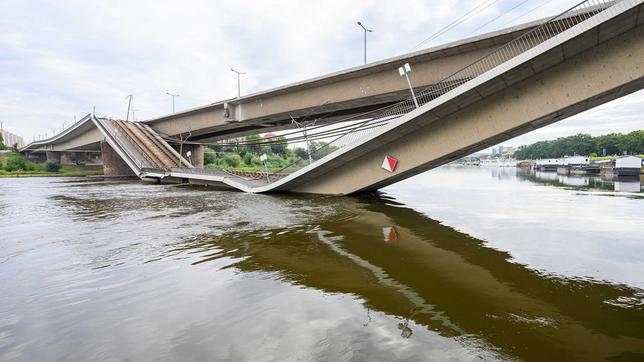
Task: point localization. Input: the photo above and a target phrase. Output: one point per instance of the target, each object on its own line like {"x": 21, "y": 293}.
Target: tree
{"x": 301, "y": 153}
{"x": 253, "y": 140}
{"x": 2, "y": 146}
{"x": 320, "y": 149}
{"x": 209, "y": 156}
{"x": 583, "y": 144}
{"x": 281, "y": 147}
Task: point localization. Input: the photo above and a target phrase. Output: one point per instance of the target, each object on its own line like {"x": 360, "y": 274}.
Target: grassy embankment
{"x": 16, "y": 165}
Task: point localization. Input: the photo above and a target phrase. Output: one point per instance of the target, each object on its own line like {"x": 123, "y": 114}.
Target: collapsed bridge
{"x": 469, "y": 95}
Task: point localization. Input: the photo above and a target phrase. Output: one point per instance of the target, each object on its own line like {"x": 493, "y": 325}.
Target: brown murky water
{"x": 455, "y": 264}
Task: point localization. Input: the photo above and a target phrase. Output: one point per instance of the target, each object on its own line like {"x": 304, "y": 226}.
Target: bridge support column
{"x": 54, "y": 156}
{"x": 65, "y": 159}
{"x": 80, "y": 158}
{"x": 113, "y": 164}
{"x": 196, "y": 154}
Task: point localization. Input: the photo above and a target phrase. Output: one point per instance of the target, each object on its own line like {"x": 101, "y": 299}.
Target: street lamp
{"x": 129, "y": 103}
{"x": 172, "y": 95}
{"x": 404, "y": 71}
{"x": 238, "y": 82}
{"x": 365, "y": 40}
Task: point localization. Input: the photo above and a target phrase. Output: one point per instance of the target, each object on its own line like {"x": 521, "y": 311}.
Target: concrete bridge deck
{"x": 587, "y": 56}
{"x": 338, "y": 95}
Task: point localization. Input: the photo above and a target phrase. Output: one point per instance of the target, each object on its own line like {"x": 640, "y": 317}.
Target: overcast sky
{"x": 58, "y": 59}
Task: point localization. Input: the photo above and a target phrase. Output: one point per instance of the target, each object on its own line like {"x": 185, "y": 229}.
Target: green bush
{"x": 256, "y": 161}
{"x": 232, "y": 159}
{"x": 248, "y": 158}
{"x": 15, "y": 162}
{"x": 52, "y": 166}
{"x": 209, "y": 156}
{"x": 274, "y": 162}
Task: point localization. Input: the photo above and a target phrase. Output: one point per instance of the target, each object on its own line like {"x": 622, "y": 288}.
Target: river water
{"x": 454, "y": 264}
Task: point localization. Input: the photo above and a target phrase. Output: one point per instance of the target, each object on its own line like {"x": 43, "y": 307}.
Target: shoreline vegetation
{"x": 13, "y": 164}
{"x": 602, "y": 147}
{"x": 248, "y": 157}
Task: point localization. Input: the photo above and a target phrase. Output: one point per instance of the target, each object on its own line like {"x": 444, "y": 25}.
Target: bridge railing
{"x": 126, "y": 143}
{"x": 366, "y": 123}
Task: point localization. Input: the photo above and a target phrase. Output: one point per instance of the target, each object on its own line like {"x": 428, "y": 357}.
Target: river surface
{"x": 454, "y": 264}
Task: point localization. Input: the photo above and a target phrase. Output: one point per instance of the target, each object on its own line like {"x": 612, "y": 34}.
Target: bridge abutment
{"x": 113, "y": 164}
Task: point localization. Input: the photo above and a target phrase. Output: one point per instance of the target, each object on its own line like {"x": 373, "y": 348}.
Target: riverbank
{"x": 13, "y": 164}
{"x": 65, "y": 171}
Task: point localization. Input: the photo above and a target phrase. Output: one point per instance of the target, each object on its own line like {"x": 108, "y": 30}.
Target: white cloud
{"x": 58, "y": 59}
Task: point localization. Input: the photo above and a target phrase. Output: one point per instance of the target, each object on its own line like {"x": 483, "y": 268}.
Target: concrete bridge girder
{"x": 343, "y": 93}
{"x": 586, "y": 77}
{"x": 88, "y": 140}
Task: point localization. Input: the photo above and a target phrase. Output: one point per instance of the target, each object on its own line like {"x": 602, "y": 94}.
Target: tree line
{"x": 584, "y": 144}
{"x": 278, "y": 154}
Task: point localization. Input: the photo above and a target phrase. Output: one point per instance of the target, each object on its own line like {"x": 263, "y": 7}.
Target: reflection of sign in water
{"x": 389, "y": 163}
{"x": 389, "y": 234}
{"x": 627, "y": 186}
{"x": 405, "y": 331}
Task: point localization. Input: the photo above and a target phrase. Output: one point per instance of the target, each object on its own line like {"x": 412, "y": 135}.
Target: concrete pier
{"x": 113, "y": 164}
{"x": 54, "y": 156}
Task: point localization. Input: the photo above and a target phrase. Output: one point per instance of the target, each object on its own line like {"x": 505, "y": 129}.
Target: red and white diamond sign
{"x": 389, "y": 234}
{"x": 389, "y": 163}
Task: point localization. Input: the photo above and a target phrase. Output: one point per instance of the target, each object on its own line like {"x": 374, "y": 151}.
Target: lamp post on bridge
{"x": 404, "y": 71}
{"x": 365, "y": 40}
{"x": 129, "y": 103}
{"x": 238, "y": 82}
{"x": 172, "y": 95}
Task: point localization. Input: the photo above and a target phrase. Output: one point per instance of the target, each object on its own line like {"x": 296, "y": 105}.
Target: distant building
{"x": 10, "y": 139}
{"x": 502, "y": 150}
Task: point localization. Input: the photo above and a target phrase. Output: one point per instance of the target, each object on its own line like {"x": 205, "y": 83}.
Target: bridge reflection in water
{"x": 442, "y": 280}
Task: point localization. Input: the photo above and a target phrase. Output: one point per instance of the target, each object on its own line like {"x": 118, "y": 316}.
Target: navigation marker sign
{"x": 389, "y": 163}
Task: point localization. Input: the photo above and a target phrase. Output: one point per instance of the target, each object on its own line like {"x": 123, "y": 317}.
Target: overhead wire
{"x": 527, "y": 12}
{"x": 504, "y": 13}
{"x": 477, "y": 9}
